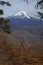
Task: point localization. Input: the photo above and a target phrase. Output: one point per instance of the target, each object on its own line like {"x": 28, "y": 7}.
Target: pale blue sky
{"x": 19, "y": 5}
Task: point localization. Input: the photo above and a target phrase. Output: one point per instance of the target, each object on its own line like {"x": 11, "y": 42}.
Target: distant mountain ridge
{"x": 22, "y": 21}
{"x": 25, "y": 30}
{"x": 20, "y": 14}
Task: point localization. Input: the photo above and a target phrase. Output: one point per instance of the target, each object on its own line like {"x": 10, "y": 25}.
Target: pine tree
{"x": 4, "y": 23}
{"x": 38, "y": 5}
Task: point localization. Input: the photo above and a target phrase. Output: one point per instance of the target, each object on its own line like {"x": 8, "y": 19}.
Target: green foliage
{"x": 3, "y": 3}
{"x": 1, "y": 12}
{"x": 40, "y": 4}
{"x": 4, "y": 23}
{"x": 40, "y": 15}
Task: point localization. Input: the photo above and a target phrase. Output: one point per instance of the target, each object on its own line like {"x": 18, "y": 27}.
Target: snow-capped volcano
{"x": 21, "y": 14}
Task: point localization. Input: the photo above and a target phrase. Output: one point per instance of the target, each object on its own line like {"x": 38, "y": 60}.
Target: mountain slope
{"x": 22, "y": 21}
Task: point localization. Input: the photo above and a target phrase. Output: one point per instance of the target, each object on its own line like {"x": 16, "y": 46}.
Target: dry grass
{"x": 11, "y": 54}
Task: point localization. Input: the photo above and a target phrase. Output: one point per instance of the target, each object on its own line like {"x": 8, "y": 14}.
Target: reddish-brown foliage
{"x": 11, "y": 54}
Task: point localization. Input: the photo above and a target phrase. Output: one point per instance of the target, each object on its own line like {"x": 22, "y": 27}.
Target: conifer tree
{"x": 4, "y": 23}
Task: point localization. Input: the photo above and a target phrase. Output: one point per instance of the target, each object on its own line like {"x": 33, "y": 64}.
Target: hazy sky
{"x": 19, "y": 5}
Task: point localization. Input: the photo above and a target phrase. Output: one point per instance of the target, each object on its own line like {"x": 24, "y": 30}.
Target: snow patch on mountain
{"x": 21, "y": 14}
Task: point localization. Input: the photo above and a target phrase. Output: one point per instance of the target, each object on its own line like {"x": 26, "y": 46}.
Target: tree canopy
{"x": 38, "y": 5}
{"x": 4, "y": 24}
{"x": 5, "y": 3}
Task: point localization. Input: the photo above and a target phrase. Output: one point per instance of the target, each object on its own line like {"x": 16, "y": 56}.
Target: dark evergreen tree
{"x": 40, "y": 14}
{"x": 3, "y": 3}
{"x": 4, "y": 23}
{"x": 40, "y": 5}
{"x": 37, "y": 6}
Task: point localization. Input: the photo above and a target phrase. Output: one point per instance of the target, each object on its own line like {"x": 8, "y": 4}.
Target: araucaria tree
{"x": 4, "y": 23}
{"x": 39, "y": 5}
